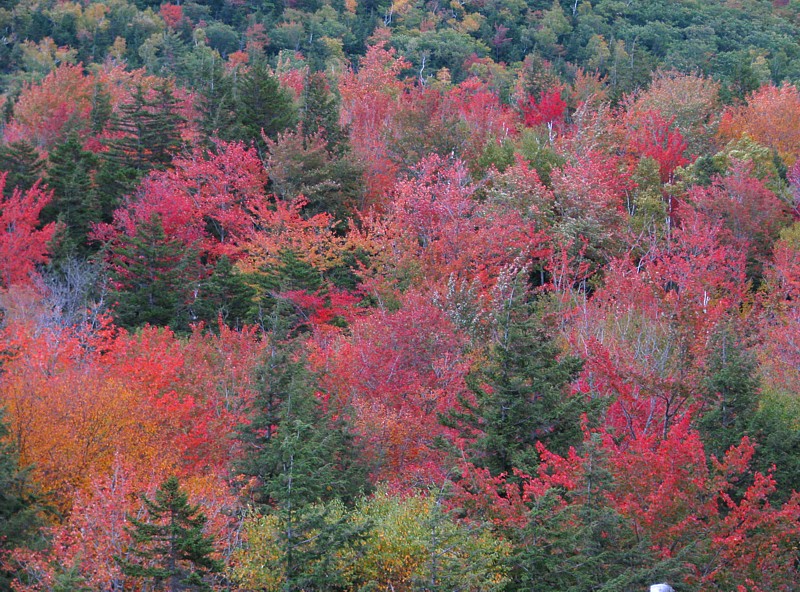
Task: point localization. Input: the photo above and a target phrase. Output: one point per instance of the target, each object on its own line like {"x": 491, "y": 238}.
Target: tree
{"x": 303, "y": 164}
{"x": 769, "y": 117}
{"x": 155, "y": 277}
{"x": 47, "y": 111}
{"x": 399, "y": 369}
{"x": 149, "y": 129}
{"x": 22, "y": 164}
{"x": 20, "y": 507}
{"x": 289, "y": 274}
{"x": 75, "y": 204}
{"x": 519, "y": 397}
{"x": 261, "y": 106}
{"x": 169, "y": 548}
{"x": 224, "y": 295}
{"x": 144, "y": 135}
{"x": 320, "y": 111}
{"x": 301, "y": 452}
{"x": 22, "y": 244}
{"x": 298, "y": 447}
{"x": 732, "y": 389}
{"x": 574, "y": 539}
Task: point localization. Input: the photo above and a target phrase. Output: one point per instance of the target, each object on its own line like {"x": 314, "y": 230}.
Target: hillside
{"x": 400, "y": 296}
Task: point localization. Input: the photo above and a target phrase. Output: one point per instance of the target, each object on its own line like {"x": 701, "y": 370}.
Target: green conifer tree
{"x": 20, "y": 507}
{"x": 320, "y": 111}
{"x": 216, "y": 98}
{"x": 273, "y": 312}
{"x": 169, "y": 550}
{"x": 585, "y": 544}
{"x": 23, "y": 165}
{"x": 261, "y": 105}
{"x": 75, "y": 203}
{"x": 520, "y": 395}
{"x": 155, "y": 278}
{"x": 300, "y": 451}
{"x": 224, "y": 295}
{"x": 302, "y": 454}
{"x": 146, "y": 135}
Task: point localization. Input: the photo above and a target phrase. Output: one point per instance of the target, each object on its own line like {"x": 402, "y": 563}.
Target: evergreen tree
{"x": 146, "y": 133}
{"x": 155, "y": 278}
{"x": 585, "y": 544}
{"x": 520, "y": 394}
{"x": 101, "y": 109}
{"x": 216, "y": 100}
{"x": 21, "y": 161}
{"x": 261, "y": 105}
{"x": 170, "y": 551}
{"x": 735, "y": 408}
{"x": 320, "y": 112}
{"x": 75, "y": 203}
{"x": 300, "y": 451}
{"x": 149, "y": 130}
{"x": 273, "y": 312}
{"x": 304, "y": 165}
{"x": 20, "y": 508}
{"x": 224, "y": 295}
{"x": 732, "y": 396}
{"x": 302, "y": 455}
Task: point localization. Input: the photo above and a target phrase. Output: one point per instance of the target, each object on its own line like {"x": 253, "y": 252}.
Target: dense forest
{"x": 374, "y": 295}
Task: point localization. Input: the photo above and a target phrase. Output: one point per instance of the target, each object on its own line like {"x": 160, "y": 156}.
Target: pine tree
{"x": 224, "y": 295}
{"x": 170, "y": 551}
{"x": 155, "y": 278}
{"x": 146, "y": 135}
{"x": 216, "y": 99}
{"x": 520, "y": 394}
{"x": 101, "y": 108}
{"x": 732, "y": 399}
{"x": 321, "y": 112}
{"x": 261, "y": 106}
{"x": 734, "y": 408}
{"x": 303, "y": 165}
{"x": 75, "y": 203}
{"x": 273, "y": 312}
{"x": 299, "y": 451}
{"x": 302, "y": 455}
{"x": 22, "y": 163}
{"x": 584, "y": 544}
{"x": 20, "y": 507}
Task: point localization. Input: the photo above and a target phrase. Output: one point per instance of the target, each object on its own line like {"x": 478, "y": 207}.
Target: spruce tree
{"x": 520, "y": 394}
{"x": 150, "y": 130}
{"x": 299, "y": 451}
{"x": 216, "y": 100}
{"x": 20, "y": 507}
{"x": 585, "y": 544}
{"x": 23, "y": 165}
{"x": 224, "y": 295}
{"x": 301, "y": 454}
{"x": 146, "y": 134}
{"x": 320, "y": 112}
{"x": 735, "y": 408}
{"x": 75, "y": 202}
{"x": 273, "y": 312}
{"x": 732, "y": 395}
{"x": 261, "y": 106}
{"x": 155, "y": 278}
{"x": 169, "y": 550}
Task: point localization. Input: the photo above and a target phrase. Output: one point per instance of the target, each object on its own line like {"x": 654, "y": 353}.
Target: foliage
{"x": 169, "y": 549}
{"x": 20, "y": 506}
{"x": 519, "y": 397}
{"x": 528, "y": 271}
{"x": 23, "y": 245}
